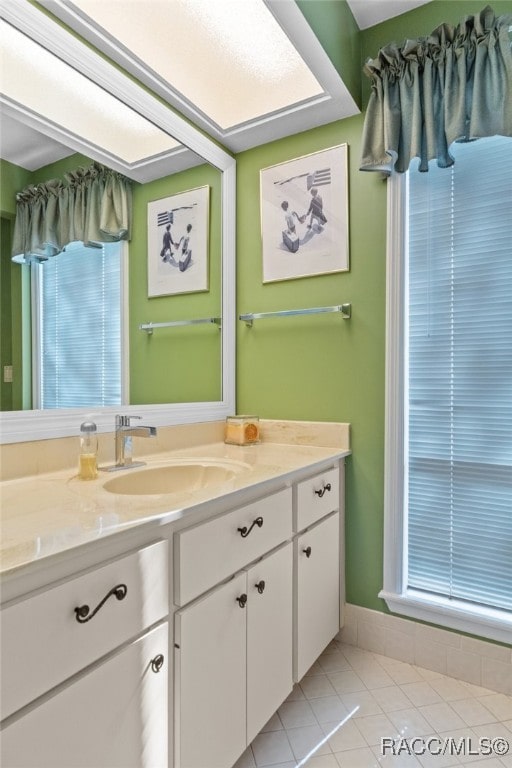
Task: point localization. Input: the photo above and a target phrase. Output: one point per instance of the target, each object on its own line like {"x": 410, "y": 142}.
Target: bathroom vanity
{"x": 128, "y": 617}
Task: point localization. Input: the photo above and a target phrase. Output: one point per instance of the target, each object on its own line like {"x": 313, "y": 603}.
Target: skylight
{"x": 31, "y": 76}
{"x": 231, "y": 59}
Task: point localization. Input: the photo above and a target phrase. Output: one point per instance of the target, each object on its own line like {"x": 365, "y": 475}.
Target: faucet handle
{"x": 124, "y": 421}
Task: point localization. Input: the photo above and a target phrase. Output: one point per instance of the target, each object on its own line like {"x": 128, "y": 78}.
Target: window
{"x": 448, "y": 541}
{"x": 78, "y": 310}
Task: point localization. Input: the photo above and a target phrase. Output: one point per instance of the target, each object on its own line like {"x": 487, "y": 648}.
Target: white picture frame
{"x": 304, "y": 216}
{"x": 178, "y": 237}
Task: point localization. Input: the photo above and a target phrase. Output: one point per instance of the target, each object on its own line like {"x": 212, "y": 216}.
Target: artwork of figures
{"x": 304, "y": 216}
{"x": 178, "y": 243}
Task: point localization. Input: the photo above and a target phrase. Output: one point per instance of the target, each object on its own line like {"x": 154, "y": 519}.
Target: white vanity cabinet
{"x": 52, "y": 643}
{"x": 241, "y": 644}
{"x": 269, "y": 637}
{"x": 209, "y": 679}
{"x": 207, "y": 553}
{"x": 85, "y": 668}
{"x": 233, "y": 645}
{"x": 318, "y": 571}
{"x": 233, "y": 662}
{"x": 171, "y": 645}
{"x": 114, "y": 716}
{"x": 317, "y": 597}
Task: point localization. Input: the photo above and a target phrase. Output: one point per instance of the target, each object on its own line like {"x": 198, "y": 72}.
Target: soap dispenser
{"x": 88, "y": 459}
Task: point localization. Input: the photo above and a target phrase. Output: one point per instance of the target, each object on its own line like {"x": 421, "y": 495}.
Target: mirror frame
{"x": 24, "y": 426}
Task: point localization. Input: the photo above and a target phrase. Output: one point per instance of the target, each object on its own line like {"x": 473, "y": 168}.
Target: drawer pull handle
{"x": 242, "y": 600}
{"x": 82, "y": 613}
{"x": 327, "y": 487}
{"x": 260, "y": 586}
{"x": 244, "y": 532}
{"x": 307, "y": 551}
{"x": 157, "y": 663}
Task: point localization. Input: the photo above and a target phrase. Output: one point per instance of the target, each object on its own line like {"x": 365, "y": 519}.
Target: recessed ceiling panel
{"x": 48, "y": 89}
{"x": 229, "y": 58}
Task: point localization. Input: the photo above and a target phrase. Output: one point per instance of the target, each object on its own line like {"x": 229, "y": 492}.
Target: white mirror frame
{"x": 22, "y": 426}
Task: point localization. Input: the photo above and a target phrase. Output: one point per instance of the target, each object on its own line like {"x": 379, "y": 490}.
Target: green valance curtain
{"x": 454, "y": 85}
{"x": 92, "y": 204}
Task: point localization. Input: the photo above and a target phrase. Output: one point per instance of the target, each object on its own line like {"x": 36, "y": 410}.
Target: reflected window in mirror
{"x": 77, "y": 319}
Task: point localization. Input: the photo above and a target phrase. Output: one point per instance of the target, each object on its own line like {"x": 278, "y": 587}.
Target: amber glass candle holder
{"x": 242, "y": 430}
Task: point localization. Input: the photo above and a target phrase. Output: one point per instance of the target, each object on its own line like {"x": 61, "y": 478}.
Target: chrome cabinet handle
{"x": 307, "y": 551}
{"x": 326, "y": 487}
{"x": 260, "y": 586}
{"x": 157, "y": 663}
{"x": 242, "y": 600}
{"x": 244, "y": 532}
{"x": 83, "y": 611}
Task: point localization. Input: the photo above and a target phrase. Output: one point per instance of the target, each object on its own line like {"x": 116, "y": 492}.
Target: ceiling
{"x": 306, "y": 89}
{"x": 367, "y": 13}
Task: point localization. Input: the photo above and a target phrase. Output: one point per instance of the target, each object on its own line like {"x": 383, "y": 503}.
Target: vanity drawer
{"x": 209, "y": 552}
{"x": 43, "y": 643}
{"x": 317, "y": 497}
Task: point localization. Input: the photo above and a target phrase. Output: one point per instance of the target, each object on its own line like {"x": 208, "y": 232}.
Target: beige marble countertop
{"x": 48, "y": 513}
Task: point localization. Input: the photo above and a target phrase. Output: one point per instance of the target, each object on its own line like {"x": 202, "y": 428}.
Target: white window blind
{"x": 80, "y": 327}
{"x": 459, "y": 364}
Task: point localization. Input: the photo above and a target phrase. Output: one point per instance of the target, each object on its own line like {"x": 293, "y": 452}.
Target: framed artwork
{"x": 178, "y": 228}
{"x": 304, "y": 216}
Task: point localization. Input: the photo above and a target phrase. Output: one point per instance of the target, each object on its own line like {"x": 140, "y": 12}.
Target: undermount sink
{"x": 175, "y": 477}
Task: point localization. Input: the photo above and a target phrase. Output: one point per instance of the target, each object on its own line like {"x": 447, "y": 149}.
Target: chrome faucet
{"x": 123, "y": 441}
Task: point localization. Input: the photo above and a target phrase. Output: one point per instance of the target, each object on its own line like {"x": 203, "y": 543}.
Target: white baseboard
{"x": 450, "y": 653}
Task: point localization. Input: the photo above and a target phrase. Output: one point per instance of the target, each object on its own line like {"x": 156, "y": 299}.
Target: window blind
{"x": 80, "y": 327}
{"x": 459, "y": 376}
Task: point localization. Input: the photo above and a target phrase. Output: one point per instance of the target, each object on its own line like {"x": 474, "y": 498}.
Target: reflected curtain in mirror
{"x": 454, "y": 85}
{"x": 92, "y": 205}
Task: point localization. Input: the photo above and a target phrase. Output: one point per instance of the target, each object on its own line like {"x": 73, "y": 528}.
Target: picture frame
{"x": 178, "y": 238}
{"x": 304, "y": 216}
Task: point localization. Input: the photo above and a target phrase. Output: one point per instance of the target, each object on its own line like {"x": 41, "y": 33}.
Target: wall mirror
{"x": 176, "y": 374}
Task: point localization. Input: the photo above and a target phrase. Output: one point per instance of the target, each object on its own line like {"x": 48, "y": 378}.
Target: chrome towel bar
{"x": 149, "y": 327}
{"x": 343, "y": 309}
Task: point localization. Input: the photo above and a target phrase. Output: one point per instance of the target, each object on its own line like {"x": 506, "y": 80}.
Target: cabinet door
{"x": 45, "y": 631}
{"x": 269, "y": 637}
{"x": 318, "y": 591}
{"x": 210, "y": 681}
{"x": 112, "y": 717}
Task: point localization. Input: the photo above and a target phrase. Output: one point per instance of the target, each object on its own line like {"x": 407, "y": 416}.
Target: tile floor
{"x": 350, "y": 699}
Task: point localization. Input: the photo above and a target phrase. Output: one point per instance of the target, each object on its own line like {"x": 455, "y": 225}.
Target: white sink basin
{"x": 174, "y": 477}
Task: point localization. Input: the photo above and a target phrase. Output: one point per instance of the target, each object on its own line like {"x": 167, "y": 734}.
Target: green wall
{"x": 324, "y": 368}
{"x": 336, "y": 28}
{"x": 175, "y": 364}
{"x": 13, "y": 179}
{"x": 13, "y": 281}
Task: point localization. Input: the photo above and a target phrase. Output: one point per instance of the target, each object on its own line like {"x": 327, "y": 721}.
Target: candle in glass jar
{"x": 242, "y": 430}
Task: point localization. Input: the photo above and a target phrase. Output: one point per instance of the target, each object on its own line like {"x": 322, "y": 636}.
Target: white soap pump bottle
{"x": 88, "y": 458}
